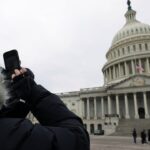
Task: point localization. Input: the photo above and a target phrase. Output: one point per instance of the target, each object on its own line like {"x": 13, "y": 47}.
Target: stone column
{"x": 106, "y": 78}
{"x": 95, "y": 108}
{"x": 133, "y": 67}
{"x": 109, "y": 105}
{"x": 114, "y": 73}
{"x": 147, "y": 65}
{"x": 117, "y": 105}
{"x": 110, "y": 76}
{"x": 88, "y": 109}
{"x": 126, "y": 107}
{"x": 82, "y": 108}
{"x": 140, "y": 64}
{"x": 102, "y": 107}
{"x": 145, "y": 105}
{"x": 135, "y": 106}
{"x": 119, "y": 70}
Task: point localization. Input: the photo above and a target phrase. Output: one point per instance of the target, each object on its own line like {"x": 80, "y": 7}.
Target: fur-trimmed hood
{"x": 4, "y": 92}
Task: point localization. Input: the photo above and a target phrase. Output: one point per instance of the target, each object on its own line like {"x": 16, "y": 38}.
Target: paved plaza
{"x": 116, "y": 143}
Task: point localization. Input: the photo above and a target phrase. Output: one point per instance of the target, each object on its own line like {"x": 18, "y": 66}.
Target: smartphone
{"x": 11, "y": 60}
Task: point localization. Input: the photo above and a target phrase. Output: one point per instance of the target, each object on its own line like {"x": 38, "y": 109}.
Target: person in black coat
{"x": 143, "y": 137}
{"x": 58, "y": 128}
{"x": 148, "y": 135}
{"x": 134, "y": 134}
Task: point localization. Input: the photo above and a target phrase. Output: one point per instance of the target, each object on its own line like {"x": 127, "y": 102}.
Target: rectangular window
{"x": 118, "y": 52}
{"x": 146, "y": 46}
{"x": 140, "y": 47}
{"x": 114, "y": 54}
{"x": 123, "y": 51}
{"x": 134, "y": 48}
{"x": 128, "y": 49}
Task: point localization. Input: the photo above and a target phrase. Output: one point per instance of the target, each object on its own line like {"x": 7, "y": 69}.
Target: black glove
{"x": 22, "y": 86}
{"x": 14, "y": 96}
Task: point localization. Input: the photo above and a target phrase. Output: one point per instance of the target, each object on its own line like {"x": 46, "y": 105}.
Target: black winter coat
{"x": 59, "y": 128}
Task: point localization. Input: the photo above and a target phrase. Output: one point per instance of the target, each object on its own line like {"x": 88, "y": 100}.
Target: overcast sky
{"x": 64, "y": 42}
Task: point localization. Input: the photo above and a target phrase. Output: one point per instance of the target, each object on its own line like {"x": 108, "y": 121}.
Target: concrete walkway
{"x": 116, "y": 143}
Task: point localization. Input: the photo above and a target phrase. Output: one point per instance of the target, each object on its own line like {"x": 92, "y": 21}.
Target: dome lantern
{"x": 131, "y": 28}
{"x": 130, "y": 14}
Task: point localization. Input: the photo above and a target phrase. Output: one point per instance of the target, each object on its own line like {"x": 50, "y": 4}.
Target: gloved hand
{"x": 12, "y": 85}
{"x": 22, "y": 84}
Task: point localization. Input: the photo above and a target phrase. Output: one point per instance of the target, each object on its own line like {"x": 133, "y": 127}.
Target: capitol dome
{"x": 130, "y": 49}
{"x": 132, "y": 28}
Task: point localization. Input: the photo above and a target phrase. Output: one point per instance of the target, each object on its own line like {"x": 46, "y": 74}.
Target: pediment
{"x": 134, "y": 81}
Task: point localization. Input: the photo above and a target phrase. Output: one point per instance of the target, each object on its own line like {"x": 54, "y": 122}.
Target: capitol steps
{"x": 126, "y": 126}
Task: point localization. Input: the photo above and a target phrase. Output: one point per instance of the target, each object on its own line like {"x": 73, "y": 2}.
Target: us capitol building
{"x": 125, "y": 94}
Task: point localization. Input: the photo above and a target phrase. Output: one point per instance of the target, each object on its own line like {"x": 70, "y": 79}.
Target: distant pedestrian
{"x": 143, "y": 137}
{"x": 148, "y": 134}
{"x": 134, "y": 134}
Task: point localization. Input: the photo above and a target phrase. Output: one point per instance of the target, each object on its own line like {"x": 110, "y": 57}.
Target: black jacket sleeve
{"x": 51, "y": 111}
